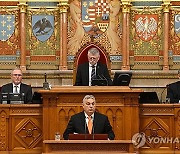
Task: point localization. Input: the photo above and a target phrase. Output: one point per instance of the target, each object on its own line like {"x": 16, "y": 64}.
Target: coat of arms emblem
{"x": 42, "y": 26}
{"x": 177, "y": 24}
{"x": 95, "y": 16}
{"x": 146, "y": 26}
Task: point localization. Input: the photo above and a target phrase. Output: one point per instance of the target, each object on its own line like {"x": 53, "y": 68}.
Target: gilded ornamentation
{"x": 76, "y": 27}
{"x": 23, "y": 7}
{"x": 166, "y": 5}
{"x": 63, "y": 6}
{"x": 112, "y": 31}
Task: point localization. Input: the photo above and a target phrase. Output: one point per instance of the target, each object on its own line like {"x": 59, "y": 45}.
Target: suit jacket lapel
{"x": 178, "y": 88}
{"x": 95, "y": 121}
{"x": 86, "y": 70}
{"x": 11, "y": 88}
{"x": 21, "y": 88}
{"x": 82, "y": 118}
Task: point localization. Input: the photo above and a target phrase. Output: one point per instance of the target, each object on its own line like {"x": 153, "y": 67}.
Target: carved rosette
{"x": 156, "y": 128}
{"x": 28, "y": 133}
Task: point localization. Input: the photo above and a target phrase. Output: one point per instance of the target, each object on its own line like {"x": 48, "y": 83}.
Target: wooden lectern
{"x": 120, "y": 104}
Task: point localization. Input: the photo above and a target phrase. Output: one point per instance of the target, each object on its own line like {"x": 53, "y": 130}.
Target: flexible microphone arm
{"x": 105, "y": 79}
{"x": 102, "y": 76}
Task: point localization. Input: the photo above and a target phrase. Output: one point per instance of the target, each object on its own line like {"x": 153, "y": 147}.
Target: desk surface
{"x": 85, "y": 89}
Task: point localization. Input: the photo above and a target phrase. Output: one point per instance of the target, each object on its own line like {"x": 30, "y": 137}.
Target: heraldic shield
{"x": 43, "y": 26}
{"x": 177, "y": 24}
{"x": 95, "y": 16}
{"x": 146, "y": 26}
{"x": 7, "y": 27}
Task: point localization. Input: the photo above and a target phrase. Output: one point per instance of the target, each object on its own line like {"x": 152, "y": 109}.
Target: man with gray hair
{"x": 89, "y": 121}
{"x": 16, "y": 86}
{"x": 173, "y": 91}
{"x": 91, "y": 70}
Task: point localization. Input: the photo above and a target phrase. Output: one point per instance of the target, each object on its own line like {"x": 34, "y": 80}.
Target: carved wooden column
{"x": 22, "y": 7}
{"x": 166, "y": 6}
{"x": 125, "y": 34}
{"x": 63, "y": 6}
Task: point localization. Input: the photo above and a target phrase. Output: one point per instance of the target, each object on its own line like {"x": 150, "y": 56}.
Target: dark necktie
{"x": 93, "y": 73}
{"x": 16, "y": 91}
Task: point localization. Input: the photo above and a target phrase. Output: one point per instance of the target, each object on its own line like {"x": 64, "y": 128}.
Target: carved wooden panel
{"x": 21, "y": 128}
{"x": 157, "y": 121}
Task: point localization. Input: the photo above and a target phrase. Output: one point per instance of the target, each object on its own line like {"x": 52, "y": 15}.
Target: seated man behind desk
{"x": 17, "y": 86}
{"x": 96, "y": 123}
{"x": 173, "y": 91}
{"x": 85, "y": 73}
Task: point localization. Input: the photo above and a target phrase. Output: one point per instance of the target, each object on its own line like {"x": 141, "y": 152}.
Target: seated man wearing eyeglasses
{"x": 17, "y": 86}
{"x": 91, "y": 70}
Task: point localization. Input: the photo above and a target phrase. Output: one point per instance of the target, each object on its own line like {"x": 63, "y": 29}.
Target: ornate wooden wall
{"x": 22, "y": 125}
{"x": 137, "y": 35}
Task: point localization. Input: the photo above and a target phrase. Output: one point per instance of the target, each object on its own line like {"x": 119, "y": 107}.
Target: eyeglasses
{"x": 17, "y": 74}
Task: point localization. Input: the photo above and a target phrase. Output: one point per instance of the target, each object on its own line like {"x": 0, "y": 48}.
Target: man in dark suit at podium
{"x": 17, "y": 86}
{"x": 89, "y": 121}
{"x": 92, "y": 70}
{"x": 173, "y": 91}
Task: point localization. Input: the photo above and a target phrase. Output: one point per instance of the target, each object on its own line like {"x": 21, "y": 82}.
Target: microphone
{"x": 103, "y": 77}
{"x": 85, "y": 129}
{"x": 46, "y": 84}
{"x": 161, "y": 101}
{"x": 93, "y": 129}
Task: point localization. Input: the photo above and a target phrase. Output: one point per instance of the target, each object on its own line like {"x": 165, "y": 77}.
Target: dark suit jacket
{"x": 26, "y": 89}
{"x": 101, "y": 125}
{"x": 82, "y": 76}
{"x": 173, "y": 92}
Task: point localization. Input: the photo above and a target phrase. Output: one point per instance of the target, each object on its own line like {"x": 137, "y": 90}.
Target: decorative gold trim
{"x": 63, "y": 6}
{"x": 126, "y": 5}
{"x": 23, "y": 7}
{"x": 166, "y": 5}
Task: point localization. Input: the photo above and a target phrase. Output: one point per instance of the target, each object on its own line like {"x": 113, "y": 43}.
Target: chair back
{"x": 81, "y": 57}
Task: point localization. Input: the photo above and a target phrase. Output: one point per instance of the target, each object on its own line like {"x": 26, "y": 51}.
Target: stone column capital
{"x": 22, "y": 7}
{"x": 126, "y": 5}
{"x": 63, "y": 6}
{"x": 166, "y": 5}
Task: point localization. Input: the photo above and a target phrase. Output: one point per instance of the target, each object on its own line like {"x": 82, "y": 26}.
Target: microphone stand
{"x": 105, "y": 79}
{"x": 102, "y": 76}
{"x": 93, "y": 130}
{"x": 85, "y": 129}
